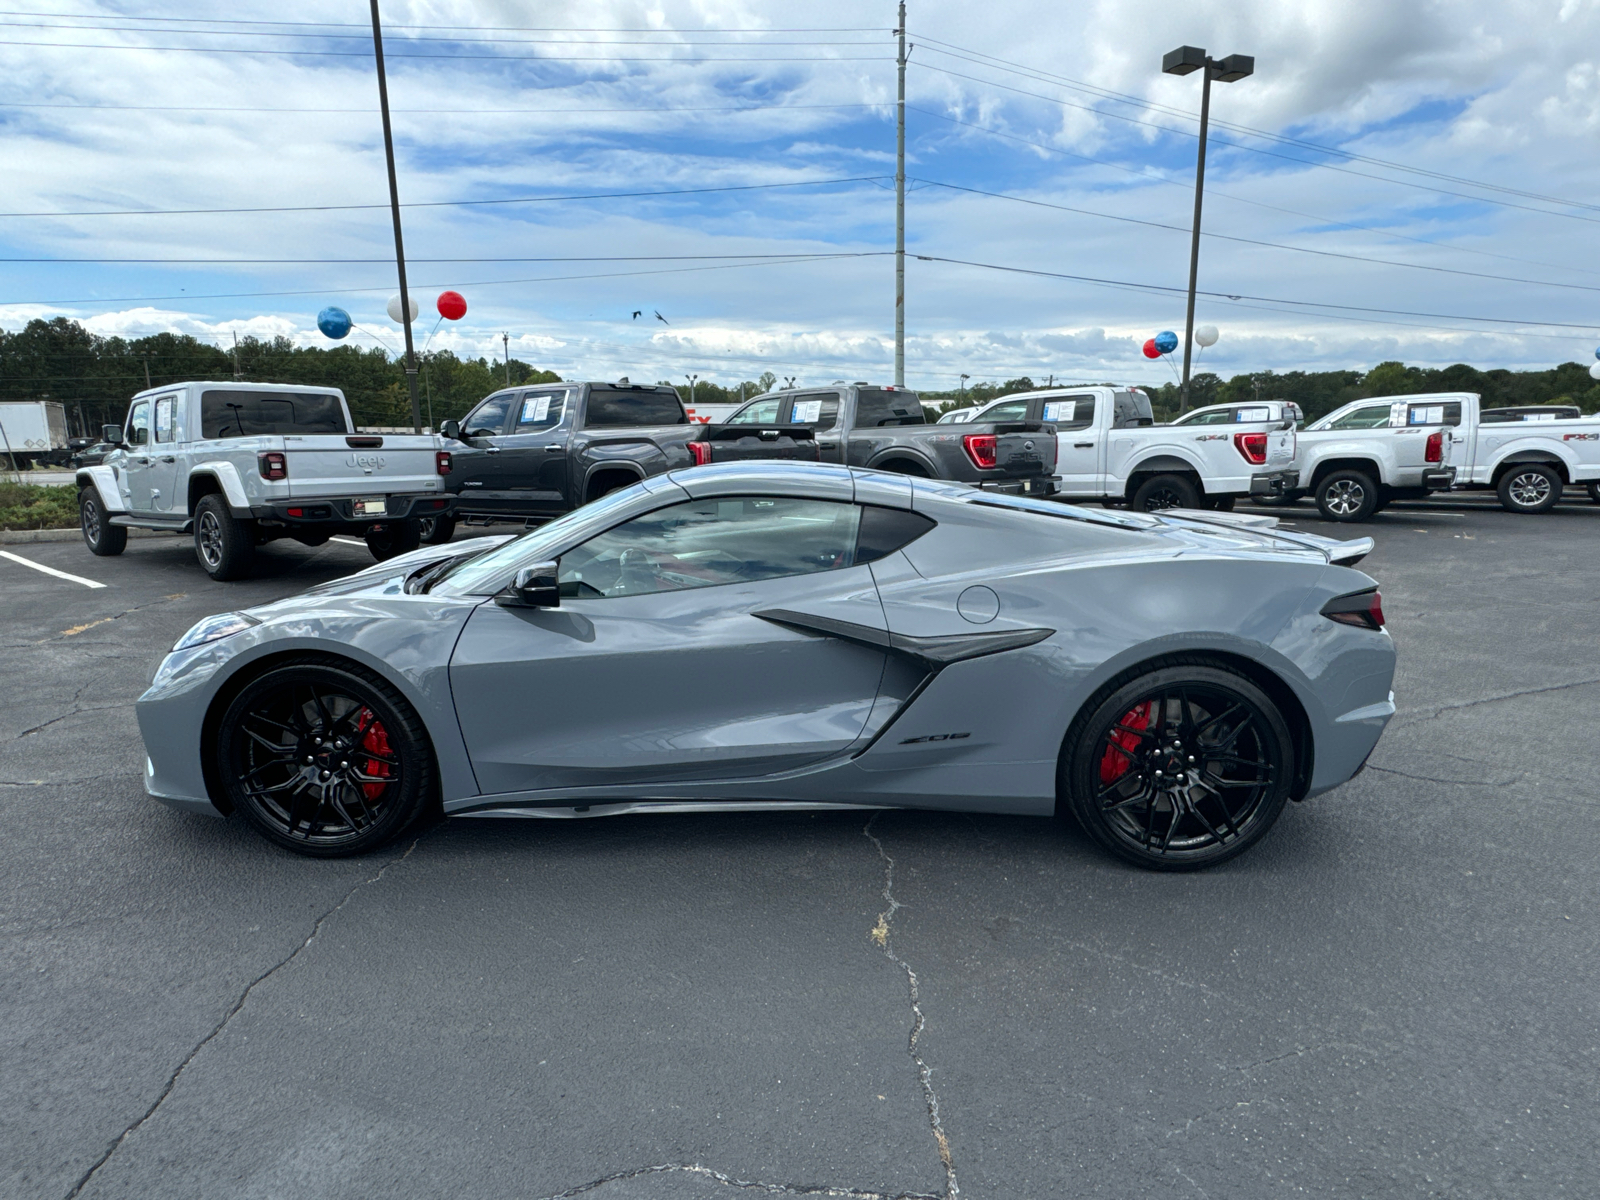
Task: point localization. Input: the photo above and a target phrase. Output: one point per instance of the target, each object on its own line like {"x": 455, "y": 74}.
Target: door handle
{"x": 1083, "y": 445}
{"x": 492, "y": 450}
{"x": 168, "y": 458}
{"x": 553, "y": 449}
{"x": 143, "y": 462}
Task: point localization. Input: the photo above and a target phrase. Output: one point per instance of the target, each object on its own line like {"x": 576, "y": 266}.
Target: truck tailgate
{"x": 1281, "y": 447}
{"x": 1022, "y": 448}
{"x": 739, "y": 443}
{"x": 361, "y": 465}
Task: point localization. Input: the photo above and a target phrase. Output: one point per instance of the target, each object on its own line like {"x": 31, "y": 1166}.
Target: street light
{"x": 1235, "y": 67}
{"x": 964, "y": 379}
{"x": 691, "y": 379}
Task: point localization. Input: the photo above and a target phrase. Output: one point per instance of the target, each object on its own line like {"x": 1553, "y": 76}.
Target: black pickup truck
{"x": 884, "y": 427}
{"x": 532, "y": 453}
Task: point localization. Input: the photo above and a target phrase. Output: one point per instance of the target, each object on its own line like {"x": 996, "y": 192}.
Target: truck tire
{"x": 1221, "y": 503}
{"x": 1165, "y": 491}
{"x": 1529, "y": 488}
{"x": 99, "y": 534}
{"x": 1594, "y": 492}
{"x": 225, "y": 545}
{"x": 393, "y": 538}
{"x": 436, "y": 531}
{"x": 1347, "y": 496}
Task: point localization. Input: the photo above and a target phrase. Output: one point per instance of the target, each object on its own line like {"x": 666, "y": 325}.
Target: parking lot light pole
{"x": 1182, "y": 61}
{"x": 394, "y": 207}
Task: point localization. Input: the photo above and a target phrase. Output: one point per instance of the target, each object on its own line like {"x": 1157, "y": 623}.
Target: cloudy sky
{"x": 1399, "y": 179}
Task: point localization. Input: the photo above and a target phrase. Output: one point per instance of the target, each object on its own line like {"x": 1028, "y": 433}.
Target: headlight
{"x": 220, "y": 626}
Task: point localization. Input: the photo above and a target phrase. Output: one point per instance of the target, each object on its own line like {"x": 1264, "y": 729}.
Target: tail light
{"x": 1253, "y": 446}
{"x": 442, "y": 461}
{"x": 982, "y": 449}
{"x": 701, "y": 453}
{"x": 1435, "y": 451}
{"x": 273, "y": 465}
{"x": 1364, "y": 610}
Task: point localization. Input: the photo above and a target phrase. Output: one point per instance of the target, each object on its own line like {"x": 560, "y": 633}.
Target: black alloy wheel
{"x": 324, "y": 760}
{"x": 224, "y": 545}
{"x": 1529, "y": 488}
{"x": 99, "y": 534}
{"x": 1347, "y": 496}
{"x": 1180, "y": 768}
{"x": 393, "y": 538}
{"x": 1165, "y": 491}
{"x": 1594, "y": 492}
{"x": 436, "y": 531}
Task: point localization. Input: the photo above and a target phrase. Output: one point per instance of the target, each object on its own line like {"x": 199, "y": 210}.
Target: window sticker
{"x": 806, "y": 411}
{"x": 1539, "y": 417}
{"x": 1427, "y": 414}
{"x": 1060, "y": 410}
{"x": 535, "y": 409}
{"x": 1252, "y": 414}
{"x": 164, "y": 419}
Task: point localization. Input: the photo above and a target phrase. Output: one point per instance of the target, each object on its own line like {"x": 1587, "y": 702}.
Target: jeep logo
{"x": 367, "y": 462}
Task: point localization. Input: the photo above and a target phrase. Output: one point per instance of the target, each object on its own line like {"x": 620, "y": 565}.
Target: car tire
{"x": 1594, "y": 492}
{"x": 1165, "y": 491}
{"x": 99, "y": 534}
{"x": 225, "y": 545}
{"x": 370, "y": 777}
{"x": 1117, "y": 762}
{"x": 1282, "y": 499}
{"x": 393, "y": 538}
{"x": 1221, "y": 503}
{"x": 1347, "y": 496}
{"x": 436, "y": 531}
{"x": 1529, "y": 488}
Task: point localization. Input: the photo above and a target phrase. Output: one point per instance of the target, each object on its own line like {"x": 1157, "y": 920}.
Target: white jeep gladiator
{"x": 240, "y": 464}
{"x": 1358, "y": 458}
{"x": 1526, "y": 455}
{"x": 1109, "y": 448}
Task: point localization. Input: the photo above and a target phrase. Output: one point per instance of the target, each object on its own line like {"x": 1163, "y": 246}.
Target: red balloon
{"x": 1150, "y": 350}
{"x": 452, "y": 306}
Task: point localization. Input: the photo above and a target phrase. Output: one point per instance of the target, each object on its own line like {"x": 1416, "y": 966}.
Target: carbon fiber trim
{"x": 932, "y": 652}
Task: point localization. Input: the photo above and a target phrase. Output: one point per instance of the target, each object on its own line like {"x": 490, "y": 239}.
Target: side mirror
{"x": 450, "y": 429}
{"x": 112, "y": 434}
{"x": 534, "y": 587}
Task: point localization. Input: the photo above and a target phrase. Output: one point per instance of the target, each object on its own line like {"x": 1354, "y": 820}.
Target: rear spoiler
{"x": 767, "y": 433}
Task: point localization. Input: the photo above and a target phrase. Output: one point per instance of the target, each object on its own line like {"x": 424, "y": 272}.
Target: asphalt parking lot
{"x": 1394, "y": 995}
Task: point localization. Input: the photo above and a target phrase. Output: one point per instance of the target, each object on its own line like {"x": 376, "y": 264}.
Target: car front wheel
{"x": 326, "y": 760}
{"x": 99, "y": 534}
{"x": 1529, "y": 488}
{"x": 1347, "y": 496}
{"x": 1179, "y": 768}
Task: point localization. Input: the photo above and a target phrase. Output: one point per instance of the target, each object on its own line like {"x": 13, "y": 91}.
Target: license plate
{"x": 374, "y": 506}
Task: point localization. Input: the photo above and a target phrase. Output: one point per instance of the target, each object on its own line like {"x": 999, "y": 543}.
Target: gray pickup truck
{"x": 533, "y": 453}
{"x": 860, "y": 425}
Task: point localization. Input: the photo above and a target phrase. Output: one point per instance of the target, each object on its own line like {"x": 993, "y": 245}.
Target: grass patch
{"x": 29, "y": 506}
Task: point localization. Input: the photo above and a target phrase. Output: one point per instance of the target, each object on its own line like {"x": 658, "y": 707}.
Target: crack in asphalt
{"x": 880, "y": 934}
{"x": 750, "y": 1185}
{"x": 1436, "y": 713}
{"x": 233, "y": 1011}
{"x": 74, "y": 711}
{"x": 1517, "y": 778}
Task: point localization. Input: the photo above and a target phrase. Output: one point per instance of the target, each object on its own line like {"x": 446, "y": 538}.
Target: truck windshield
{"x": 230, "y": 414}
{"x": 614, "y": 406}
{"x": 879, "y": 406}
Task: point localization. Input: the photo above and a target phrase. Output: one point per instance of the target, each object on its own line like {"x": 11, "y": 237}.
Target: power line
{"x": 598, "y": 58}
{"x": 482, "y": 28}
{"x": 547, "y": 112}
{"x": 411, "y": 258}
{"x": 414, "y": 40}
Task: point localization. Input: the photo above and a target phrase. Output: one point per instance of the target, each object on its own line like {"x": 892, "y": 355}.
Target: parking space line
{"x": 348, "y": 541}
{"x": 28, "y": 562}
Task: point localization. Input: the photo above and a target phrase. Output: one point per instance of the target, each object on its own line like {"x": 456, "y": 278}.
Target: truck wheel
{"x": 99, "y": 534}
{"x": 1165, "y": 491}
{"x": 393, "y": 538}
{"x": 436, "y": 531}
{"x": 224, "y": 545}
{"x": 1529, "y": 488}
{"x": 1594, "y": 492}
{"x": 1347, "y": 496}
{"x": 1220, "y": 503}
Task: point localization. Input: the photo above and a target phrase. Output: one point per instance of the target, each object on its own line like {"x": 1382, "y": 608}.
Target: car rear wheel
{"x": 1594, "y": 492}
{"x": 436, "y": 531}
{"x": 1347, "y": 496}
{"x": 393, "y": 538}
{"x": 1180, "y": 768}
{"x": 325, "y": 760}
{"x": 225, "y": 546}
{"x": 1529, "y": 488}
{"x": 1165, "y": 491}
{"x": 99, "y": 534}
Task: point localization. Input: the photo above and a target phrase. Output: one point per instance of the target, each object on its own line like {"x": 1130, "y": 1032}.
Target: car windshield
{"x": 231, "y": 414}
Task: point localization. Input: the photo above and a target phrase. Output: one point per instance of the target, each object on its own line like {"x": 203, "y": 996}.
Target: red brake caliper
{"x": 1114, "y": 763}
{"x": 376, "y": 741}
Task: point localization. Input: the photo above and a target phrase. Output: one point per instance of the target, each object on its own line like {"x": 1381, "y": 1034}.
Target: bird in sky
{"x": 637, "y": 313}
{"x": 662, "y": 319}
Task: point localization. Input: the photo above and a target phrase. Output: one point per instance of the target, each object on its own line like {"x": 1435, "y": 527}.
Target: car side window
{"x": 1372, "y": 416}
{"x": 1071, "y": 412}
{"x": 138, "y": 433}
{"x": 1223, "y": 416}
{"x": 1012, "y": 410}
{"x": 706, "y": 543}
{"x": 759, "y": 412}
{"x": 819, "y": 410}
{"x": 540, "y": 410}
{"x": 163, "y": 429}
{"x": 488, "y": 419}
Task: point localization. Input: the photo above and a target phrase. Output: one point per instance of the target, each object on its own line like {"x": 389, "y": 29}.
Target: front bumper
{"x": 340, "y": 510}
{"x": 1033, "y": 485}
{"x": 1440, "y": 479}
{"x": 1274, "y": 483}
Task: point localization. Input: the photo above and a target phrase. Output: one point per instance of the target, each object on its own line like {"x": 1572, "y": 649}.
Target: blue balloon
{"x": 334, "y": 322}
{"x": 1166, "y": 341}
{"x": 1597, "y": 352}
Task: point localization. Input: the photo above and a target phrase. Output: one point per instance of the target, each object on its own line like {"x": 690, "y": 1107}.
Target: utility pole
{"x": 505, "y": 342}
{"x": 145, "y": 355}
{"x": 899, "y": 214}
{"x": 394, "y": 207}
{"x": 237, "y": 373}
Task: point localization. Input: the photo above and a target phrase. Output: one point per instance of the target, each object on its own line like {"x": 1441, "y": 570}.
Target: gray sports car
{"x": 779, "y": 635}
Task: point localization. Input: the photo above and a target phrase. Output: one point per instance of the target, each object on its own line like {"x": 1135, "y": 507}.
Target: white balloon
{"x": 1594, "y": 371}
{"x": 394, "y": 308}
{"x": 1206, "y": 335}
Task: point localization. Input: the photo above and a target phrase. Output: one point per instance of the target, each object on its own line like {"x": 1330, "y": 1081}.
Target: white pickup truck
{"x": 1358, "y": 458}
{"x": 1526, "y": 455}
{"x": 1110, "y": 449}
{"x": 240, "y": 464}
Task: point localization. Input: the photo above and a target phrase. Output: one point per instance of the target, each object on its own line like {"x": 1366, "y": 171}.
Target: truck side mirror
{"x": 534, "y": 587}
{"x": 112, "y": 434}
{"x": 451, "y": 429}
